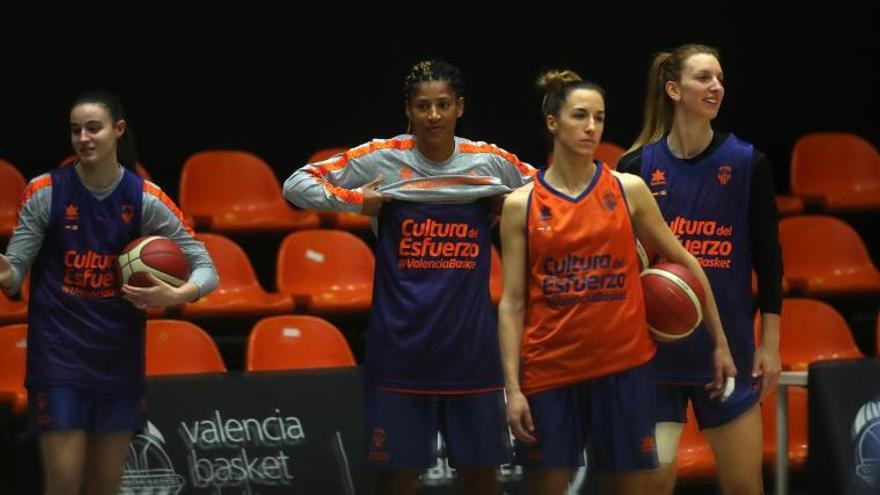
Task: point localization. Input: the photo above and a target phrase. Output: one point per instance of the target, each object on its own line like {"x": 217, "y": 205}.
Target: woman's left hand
{"x": 159, "y": 295}
{"x": 768, "y": 366}
{"x": 724, "y": 369}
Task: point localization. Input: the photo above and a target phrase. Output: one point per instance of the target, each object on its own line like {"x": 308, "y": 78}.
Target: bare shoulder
{"x": 632, "y": 184}
{"x": 519, "y": 197}
{"x": 627, "y": 179}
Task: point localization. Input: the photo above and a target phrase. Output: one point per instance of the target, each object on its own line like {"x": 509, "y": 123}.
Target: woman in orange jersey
{"x": 574, "y": 341}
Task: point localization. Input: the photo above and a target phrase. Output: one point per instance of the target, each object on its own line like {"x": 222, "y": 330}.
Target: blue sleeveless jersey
{"x": 706, "y": 205}
{"x": 81, "y": 332}
{"x": 433, "y": 326}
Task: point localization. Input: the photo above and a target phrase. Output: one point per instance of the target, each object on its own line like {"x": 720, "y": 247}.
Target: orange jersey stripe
{"x": 318, "y": 172}
{"x": 154, "y": 190}
{"x": 491, "y": 148}
{"x": 29, "y": 191}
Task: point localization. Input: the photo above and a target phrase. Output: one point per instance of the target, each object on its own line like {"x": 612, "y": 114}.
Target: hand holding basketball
{"x": 153, "y": 272}
{"x": 156, "y": 295}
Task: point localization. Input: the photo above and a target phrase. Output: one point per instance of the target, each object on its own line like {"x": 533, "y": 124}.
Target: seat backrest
{"x": 323, "y": 154}
{"x": 826, "y": 161}
{"x": 12, "y": 184}
{"x": 176, "y": 347}
{"x": 233, "y": 266}
{"x": 13, "y": 352}
{"x": 296, "y": 342}
{"x": 216, "y": 181}
{"x": 820, "y": 244}
{"x": 609, "y": 153}
{"x": 811, "y": 331}
{"x": 313, "y": 260}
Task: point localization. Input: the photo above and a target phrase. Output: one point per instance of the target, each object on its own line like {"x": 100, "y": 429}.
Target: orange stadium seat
{"x": 237, "y": 192}
{"x": 824, "y": 256}
{"x": 811, "y": 331}
{"x": 609, "y": 153}
{"x": 839, "y": 170}
{"x": 12, "y": 184}
{"x": 789, "y": 205}
{"x": 327, "y": 271}
{"x": 179, "y": 347}
{"x": 797, "y": 428}
{"x": 695, "y": 459}
{"x": 785, "y": 286}
{"x": 12, "y": 311}
{"x": 325, "y": 153}
{"x": 239, "y": 292}
{"x": 296, "y": 342}
{"x": 13, "y": 355}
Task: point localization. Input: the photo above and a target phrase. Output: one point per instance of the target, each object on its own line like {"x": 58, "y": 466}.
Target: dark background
{"x": 283, "y": 80}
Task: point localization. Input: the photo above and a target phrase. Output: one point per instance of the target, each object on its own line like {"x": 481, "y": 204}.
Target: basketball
{"x": 646, "y": 256}
{"x": 157, "y": 255}
{"x": 673, "y": 301}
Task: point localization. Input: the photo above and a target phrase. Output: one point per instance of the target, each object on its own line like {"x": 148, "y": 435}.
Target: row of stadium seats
{"x": 318, "y": 271}
{"x": 811, "y": 331}
{"x": 176, "y": 347}
{"x": 331, "y": 271}
{"x": 835, "y": 171}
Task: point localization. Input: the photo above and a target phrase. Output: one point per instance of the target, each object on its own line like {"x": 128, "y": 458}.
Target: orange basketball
{"x": 154, "y": 254}
{"x": 646, "y": 256}
{"x": 673, "y": 301}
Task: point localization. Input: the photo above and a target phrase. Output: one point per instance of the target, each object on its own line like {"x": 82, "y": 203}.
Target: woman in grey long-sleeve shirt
{"x": 85, "y": 346}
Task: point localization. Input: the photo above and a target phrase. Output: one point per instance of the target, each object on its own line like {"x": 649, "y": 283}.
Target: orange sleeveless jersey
{"x": 585, "y": 316}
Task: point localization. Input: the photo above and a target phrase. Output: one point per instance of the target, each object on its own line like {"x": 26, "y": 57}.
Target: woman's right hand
{"x": 519, "y": 418}
{"x": 373, "y": 199}
{"x": 5, "y": 272}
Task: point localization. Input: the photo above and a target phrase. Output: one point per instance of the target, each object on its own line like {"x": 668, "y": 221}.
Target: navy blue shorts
{"x": 65, "y": 408}
{"x": 613, "y": 416}
{"x": 402, "y": 429}
{"x": 672, "y": 403}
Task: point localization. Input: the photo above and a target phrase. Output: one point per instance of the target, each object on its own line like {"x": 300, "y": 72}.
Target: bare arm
{"x": 511, "y": 311}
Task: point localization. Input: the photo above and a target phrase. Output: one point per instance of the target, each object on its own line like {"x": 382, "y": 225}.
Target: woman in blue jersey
{"x": 432, "y": 360}
{"x": 85, "y": 346}
{"x": 716, "y": 193}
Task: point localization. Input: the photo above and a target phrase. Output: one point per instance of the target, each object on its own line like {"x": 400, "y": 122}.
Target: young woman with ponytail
{"x": 698, "y": 174}
{"x": 574, "y": 341}
{"x": 85, "y": 340}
